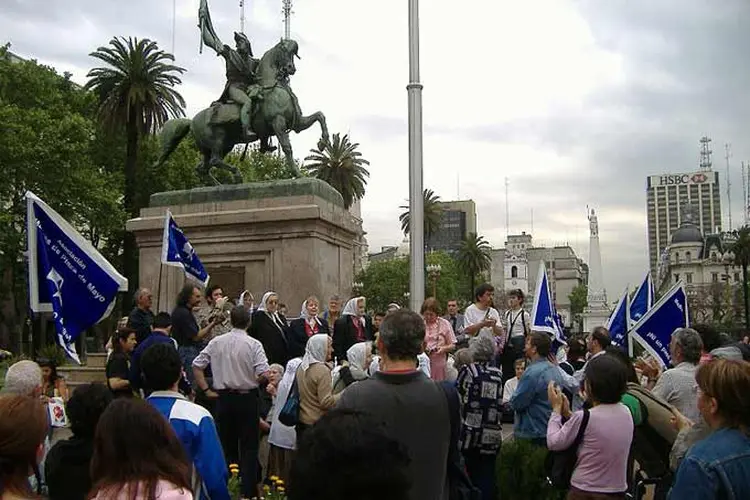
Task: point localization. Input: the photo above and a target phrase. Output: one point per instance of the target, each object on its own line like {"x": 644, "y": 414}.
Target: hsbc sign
{"x": 681, "y": 179}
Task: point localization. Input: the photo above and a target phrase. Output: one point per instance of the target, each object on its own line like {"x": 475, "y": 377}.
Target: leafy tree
{"x": 474, "y": 258}
{"x": 432, "y": 211}
{"x": 340, "y": 164}
{"x": 387, "y": 281}
{"x": 578, "y": 298}
{"x": 136, "y": 93}
{"x": 741, "y": 250}
{"x": 47, "y": 137}
{"x": 257, "y": 166}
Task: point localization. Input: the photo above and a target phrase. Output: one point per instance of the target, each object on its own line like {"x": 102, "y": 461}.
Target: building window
{"x": 736, "y": 277}
{"x": 715, "y": 277}
{"x": 688, "y": 257}
{"x": 713, "y": 256}
{"x": 514, "y": 272}
{"x": 676, "y": 278}
{"x": 677, "y": 257}
{"x": 689, "y": 277}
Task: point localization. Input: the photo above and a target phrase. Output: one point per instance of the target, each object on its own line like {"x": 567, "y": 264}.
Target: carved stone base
{"x": 593, "y": 317}
{"x": 292, "y": 236}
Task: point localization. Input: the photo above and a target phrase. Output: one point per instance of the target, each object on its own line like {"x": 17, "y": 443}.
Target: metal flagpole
{"x": 416, "y": 200}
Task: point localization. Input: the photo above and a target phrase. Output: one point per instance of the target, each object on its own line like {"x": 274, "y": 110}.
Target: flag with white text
{"x": 177, "y": 251}
{"x": 67, "y": 275}
{"x": 617, "y": 324}
{"x": 654, "y": 330}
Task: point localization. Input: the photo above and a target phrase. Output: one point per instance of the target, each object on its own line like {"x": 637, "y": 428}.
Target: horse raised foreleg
{"x": 218, "y": 162}
{"x": 279, "y": 130}
{"x": 305, "y": 122}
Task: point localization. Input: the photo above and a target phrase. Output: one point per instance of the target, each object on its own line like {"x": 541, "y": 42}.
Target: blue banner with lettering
{"x": 177, "y": 251}
{"x": 617, "y": 324}
{"x": 67, "y": 275}
{"x": 643, "y": 299}
{"x": 654, "y": 330}
{"x": 544, "y": 317}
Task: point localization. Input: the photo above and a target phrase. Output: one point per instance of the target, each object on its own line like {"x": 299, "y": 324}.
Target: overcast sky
{"x": 575, "y": 102}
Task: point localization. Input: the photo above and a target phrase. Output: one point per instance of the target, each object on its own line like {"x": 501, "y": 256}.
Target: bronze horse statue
{"x": 217, "y": 129}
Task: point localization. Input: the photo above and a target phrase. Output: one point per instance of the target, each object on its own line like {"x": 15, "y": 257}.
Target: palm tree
{"x": 474, "y": 257}
{"x": 340, "y": 164}
{"x": 432, "y": 211}
{"x": 136, "y": 93}
{"x": 741, "y": 250}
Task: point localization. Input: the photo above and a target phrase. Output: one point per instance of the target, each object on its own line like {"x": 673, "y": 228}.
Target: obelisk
{"x": 597, "y": 311}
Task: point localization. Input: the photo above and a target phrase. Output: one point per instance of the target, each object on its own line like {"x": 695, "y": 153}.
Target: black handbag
{"x": 560, "y": 465}
{"x": 289, "y": 414}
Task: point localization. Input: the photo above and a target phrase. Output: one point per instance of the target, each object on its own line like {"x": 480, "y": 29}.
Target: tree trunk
{"x": 130, "y": 250}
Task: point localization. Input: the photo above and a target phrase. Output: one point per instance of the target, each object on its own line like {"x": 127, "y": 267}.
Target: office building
{"x": 458, "y": 219}
{"x": 667, "y": 194}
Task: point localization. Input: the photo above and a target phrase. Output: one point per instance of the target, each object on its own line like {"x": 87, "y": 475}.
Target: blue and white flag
{"x": 177, "y": 251}
{"x": 67, "y": 275}
{"x": 544, "y": 317}
{"x": 654, "y": 330}
{"x": 618, "y": 324}
{"x": 643, "y": 299}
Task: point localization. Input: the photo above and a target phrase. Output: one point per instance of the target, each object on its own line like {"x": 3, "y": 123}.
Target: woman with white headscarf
{"x": 283, "y": 439}
{"x": 353, "y": 326}
{"x": 314, "y": 382}
{"x": 307, "y": 325}
{"x": 247, "y": 301}
{"x": 271, "y": 329}
{"x": 360, "y": 357}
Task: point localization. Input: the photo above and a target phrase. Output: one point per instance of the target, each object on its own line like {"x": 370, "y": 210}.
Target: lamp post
{"x": 433, "y": 272}
{"x": 357, "y": 287}
{"x": 416, "y": 200}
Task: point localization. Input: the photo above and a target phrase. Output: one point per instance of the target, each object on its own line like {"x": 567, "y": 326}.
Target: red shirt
{"x": 311, "y": 330}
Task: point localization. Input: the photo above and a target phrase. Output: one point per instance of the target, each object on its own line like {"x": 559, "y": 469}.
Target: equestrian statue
{"x": 257, "y": 103}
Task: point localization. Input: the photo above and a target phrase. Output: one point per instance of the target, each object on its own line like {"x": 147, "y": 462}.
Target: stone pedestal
{"x": 593, "y": 317}
{"x": 292, "y": 236}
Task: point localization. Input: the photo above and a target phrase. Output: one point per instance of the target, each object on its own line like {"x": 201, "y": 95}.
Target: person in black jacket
{"x": 66, "y": 468}
{"x": 271, "y": 329}
{"x": 304, "y": 327}
{"x": 352, "y": 327}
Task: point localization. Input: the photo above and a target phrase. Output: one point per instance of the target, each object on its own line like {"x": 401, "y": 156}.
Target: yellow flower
{"x": 279, "y": 482}
{"x": 274, "y": 478}
{"x": 266, "y": 488}
{"x": 281, "y": 489}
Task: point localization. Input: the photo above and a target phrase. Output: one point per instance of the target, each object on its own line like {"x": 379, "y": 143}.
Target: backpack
{"x": 653, "y": 439}
{"x": 289, "y": 414}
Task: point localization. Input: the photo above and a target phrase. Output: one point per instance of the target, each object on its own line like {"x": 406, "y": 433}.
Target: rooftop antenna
{"x": 744, "y": 195}
{"x": 507, "y": 214}
{"x": 287, "y": 10}
{"x": 705, "y": 161}
{"x": 242, "y": 16}
{"x": 727, "y": 155}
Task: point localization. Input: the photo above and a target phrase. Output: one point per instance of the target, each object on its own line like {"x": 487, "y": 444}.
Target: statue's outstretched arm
{"x": 208, "y": 35}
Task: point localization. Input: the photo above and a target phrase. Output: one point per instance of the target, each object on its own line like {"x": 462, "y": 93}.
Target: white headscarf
{"x": 264, "y": 300}
{"x": 351, "y": 309}
{"x": 357, "y": 357}
{"x": 281, "y": 435}
{"x": 304, "y": 314}
{"x": 316, "y": 351}
{"x": 244, "y": 294}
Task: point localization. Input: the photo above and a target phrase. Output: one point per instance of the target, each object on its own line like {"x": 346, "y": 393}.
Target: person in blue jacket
{"x": 192, "y": 423}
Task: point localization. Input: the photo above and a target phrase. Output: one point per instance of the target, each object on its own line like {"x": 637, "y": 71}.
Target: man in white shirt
{"x": 483, "y": 319}
{"x": 518, "y": 324}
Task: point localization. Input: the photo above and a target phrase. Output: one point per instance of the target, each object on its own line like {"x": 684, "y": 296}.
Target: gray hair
{"x": 461, "y": 358}
{"x": 23, "y": 378}
{"x": 140, "y": 293}
{"x": 482, "y": 348}
{"x": 402, "y": 335}
{"x": 690, "y": 344}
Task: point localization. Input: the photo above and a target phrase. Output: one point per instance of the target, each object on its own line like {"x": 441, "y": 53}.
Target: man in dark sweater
{"x": 413, "y": 409}
{"x": 141, "y": 318}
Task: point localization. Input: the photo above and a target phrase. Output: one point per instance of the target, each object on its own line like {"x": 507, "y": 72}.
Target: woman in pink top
{"x": 439, "y": 338}
{"x": 601, "y": 470}
{"x": 138, "y": 456}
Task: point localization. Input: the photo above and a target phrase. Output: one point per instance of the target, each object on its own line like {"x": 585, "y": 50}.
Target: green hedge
{"x": 520, "y": 473}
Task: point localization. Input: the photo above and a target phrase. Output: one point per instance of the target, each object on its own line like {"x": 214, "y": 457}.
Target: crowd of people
{"x": 346, "y": 404}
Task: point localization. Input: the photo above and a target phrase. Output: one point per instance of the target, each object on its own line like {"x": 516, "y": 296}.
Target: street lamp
{"x": 433, "y": 272}
{"x": 357, "y": 287}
